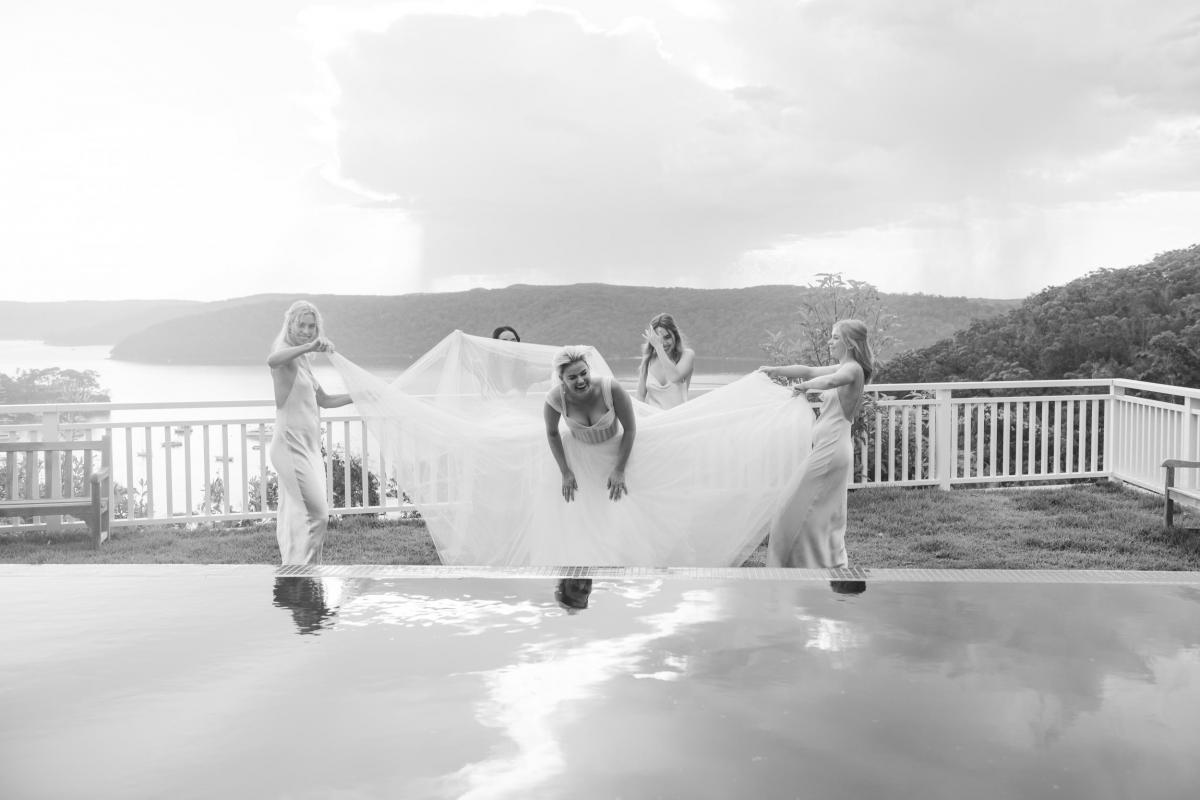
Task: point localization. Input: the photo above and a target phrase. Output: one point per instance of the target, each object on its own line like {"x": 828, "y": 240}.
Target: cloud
{"x": 575, "y": 146}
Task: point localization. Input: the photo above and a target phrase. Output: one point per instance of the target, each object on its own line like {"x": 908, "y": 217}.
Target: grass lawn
{"x": 1084, "y": 526}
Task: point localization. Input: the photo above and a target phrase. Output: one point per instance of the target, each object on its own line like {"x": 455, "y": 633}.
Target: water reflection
{"x": 573, "y": 593}
{"x": 306, "y": 599}
{"x": 537, "y": 700}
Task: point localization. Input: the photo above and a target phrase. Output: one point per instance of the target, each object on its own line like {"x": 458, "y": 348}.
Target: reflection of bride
{"x": 472, "y": 455}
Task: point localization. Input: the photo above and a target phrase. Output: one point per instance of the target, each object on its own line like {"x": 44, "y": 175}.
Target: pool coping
{"x": 425, "y": 571}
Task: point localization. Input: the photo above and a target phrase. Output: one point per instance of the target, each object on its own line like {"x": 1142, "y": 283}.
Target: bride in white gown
{"x": 464, "y": 430}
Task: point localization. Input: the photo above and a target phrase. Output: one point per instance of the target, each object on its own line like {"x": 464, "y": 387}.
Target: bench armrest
{"x": 1175, "y": 463}
{"x": 101, "y": 476}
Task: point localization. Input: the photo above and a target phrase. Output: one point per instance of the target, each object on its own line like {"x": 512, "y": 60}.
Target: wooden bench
{"x": 1175, "y": 494}
{"x": 92, "y": 509}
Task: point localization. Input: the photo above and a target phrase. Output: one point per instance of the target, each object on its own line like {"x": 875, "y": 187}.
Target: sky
{"x": 207, "y": 150}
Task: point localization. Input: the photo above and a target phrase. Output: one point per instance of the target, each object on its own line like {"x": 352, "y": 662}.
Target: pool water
{"x": 162, "y": 682}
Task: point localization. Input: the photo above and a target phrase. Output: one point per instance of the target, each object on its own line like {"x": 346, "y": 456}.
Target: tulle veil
{"x": 463, "y": 429}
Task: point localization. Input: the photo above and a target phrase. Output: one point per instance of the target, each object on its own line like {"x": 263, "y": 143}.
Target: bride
{"x": 470, "y": 450}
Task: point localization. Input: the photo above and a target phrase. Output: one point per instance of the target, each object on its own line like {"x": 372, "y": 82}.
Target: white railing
{"x": 182, "y": 463}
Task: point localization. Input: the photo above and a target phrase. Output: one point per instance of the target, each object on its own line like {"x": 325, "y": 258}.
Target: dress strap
{"x": 606, "y": 391}
{"x": 557, "y": 399}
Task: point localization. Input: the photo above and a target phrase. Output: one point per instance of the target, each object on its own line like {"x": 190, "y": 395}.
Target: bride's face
{"x": 575, "y": 376}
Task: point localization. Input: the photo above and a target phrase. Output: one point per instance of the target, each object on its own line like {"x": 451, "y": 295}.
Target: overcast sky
{"x": 221, "y": 148}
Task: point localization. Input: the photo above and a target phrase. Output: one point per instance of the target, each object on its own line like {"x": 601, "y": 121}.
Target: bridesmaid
{"x": 295, "y": 448}
{"x": 809, "y": 526}
{"x": 666, "y": 371}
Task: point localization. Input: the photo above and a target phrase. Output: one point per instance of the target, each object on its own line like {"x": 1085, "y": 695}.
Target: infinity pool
{"x": 362, "y": 682}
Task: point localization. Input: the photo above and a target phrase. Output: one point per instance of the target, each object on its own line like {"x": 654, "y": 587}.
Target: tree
{"x": 49, "y": 385}
{"x": 830, "y": 299}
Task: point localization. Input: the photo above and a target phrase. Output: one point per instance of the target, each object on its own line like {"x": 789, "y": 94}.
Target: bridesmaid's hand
{"x": 616, "y": 485}
{"x": 770, "y": 372}
{"x": 799, "y": 390}
{"x": 569, "y": 486}
{"x": 653, "y": 339}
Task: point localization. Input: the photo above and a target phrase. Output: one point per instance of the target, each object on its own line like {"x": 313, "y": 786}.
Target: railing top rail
{"x": 954, "y": 386}
{"x": 1159, "y": 388}
{"x": 963, "y": 386}
{"x": 47, "y": 408}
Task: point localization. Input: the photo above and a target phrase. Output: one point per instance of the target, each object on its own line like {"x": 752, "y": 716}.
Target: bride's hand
{"x": 616, "y": 485}
{"x": 569, "y": 486}
{"x": 770, "y": 372}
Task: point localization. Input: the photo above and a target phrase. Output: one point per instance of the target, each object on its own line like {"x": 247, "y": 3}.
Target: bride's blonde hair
{"x": 565, "y": 358}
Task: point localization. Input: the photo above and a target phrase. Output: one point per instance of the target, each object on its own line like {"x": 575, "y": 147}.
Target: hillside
{"x": 727, "y": 323}
{"x": 84, "y": 321}
{"x": 1140, "y": 322}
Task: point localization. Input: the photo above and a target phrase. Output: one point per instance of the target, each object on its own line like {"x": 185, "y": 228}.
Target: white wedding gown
{"x": 463, "y": 428}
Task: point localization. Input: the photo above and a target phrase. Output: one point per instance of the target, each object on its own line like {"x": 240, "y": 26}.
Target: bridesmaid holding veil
{"x": 295, "y": 448}
{"x": 666, "y": 370}
{"x": 809, "y": 526}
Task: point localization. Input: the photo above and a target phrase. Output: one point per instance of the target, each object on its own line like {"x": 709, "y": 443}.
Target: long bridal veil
{"x": 464, "y": 432}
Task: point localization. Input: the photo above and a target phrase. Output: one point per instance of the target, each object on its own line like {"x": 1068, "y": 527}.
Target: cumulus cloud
{"x": 583, "y": 145}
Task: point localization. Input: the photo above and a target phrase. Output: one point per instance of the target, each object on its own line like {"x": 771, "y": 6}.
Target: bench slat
{"x": 43, "y": 506}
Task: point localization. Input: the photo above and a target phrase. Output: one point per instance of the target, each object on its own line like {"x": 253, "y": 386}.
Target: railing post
{"x": 1110, "y": 434}
{"x": 1187, "y": 438}
{"x": 50, "y": 433}
{"x": 943, "y": 439}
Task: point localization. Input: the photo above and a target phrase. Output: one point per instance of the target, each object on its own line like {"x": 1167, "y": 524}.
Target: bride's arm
{"x": 551, "y": 416}
{"x": 624, "y": 409}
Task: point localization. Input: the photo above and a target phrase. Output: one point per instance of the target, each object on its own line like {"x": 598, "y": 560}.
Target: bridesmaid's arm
{"x": 286, "y": 355}
{"x": 680, "y": 372}
{"x": 332, "y": 400}
{"x": 844, "y": 375}
{"x": 800, "y": 371}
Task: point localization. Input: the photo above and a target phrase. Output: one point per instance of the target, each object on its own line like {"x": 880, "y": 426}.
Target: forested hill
{"x": 728, "y": 323}
{"x": 1139, "y": 322}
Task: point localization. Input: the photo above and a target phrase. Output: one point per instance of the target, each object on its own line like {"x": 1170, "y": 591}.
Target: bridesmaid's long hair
{"x": 854, "y": 335}
{"x": 287, "y": 334}
{"x": 676, "y": 351}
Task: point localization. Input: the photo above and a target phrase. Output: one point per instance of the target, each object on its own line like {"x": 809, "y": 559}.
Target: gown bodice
{"x": 599, "y": 431}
